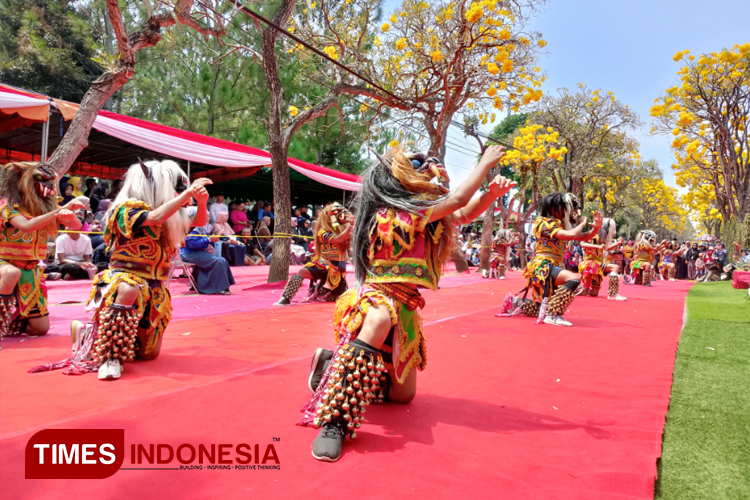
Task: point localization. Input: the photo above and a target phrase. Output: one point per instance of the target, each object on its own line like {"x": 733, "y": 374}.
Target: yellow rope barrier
{"x": 276, "y": 235}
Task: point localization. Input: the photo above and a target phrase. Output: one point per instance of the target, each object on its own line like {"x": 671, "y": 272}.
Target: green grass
{"x": 706, "y": 449}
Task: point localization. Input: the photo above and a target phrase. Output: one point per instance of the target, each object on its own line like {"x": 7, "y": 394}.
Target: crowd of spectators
{"x": 239, "y": 233}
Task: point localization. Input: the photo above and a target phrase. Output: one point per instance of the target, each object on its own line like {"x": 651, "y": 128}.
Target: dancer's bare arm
{"x": 160, "y": 215}
{"x": 460, "y": 197}
{"x": 64, "y": 215}
{"x": 577, "y": 233}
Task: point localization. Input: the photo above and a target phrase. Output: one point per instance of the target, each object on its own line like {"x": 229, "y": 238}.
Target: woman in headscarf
{"x": 77, "y": 183}
{"x": 231, "y": 249}
{"x": 212, "y": 273}
{"x": 67, "y": 193}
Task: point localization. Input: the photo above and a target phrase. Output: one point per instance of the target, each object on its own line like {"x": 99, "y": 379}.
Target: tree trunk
{"x": 488, "y": 227}
{"x": 279, "y": 270}
{"x": 76, "y": 138}
{"x": 278, "y": 145}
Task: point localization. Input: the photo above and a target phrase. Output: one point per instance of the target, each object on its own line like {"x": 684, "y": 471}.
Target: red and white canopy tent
{"x": 117, "y": 140}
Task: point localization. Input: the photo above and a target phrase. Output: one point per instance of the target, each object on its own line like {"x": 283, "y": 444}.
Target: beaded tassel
{"x": 7, "y": 306}
{"x": 560, "y": 300}
{"x": 614, "y": 285}
{"x": 671, "y": 273}
{"x": 292, "y": 287}
{"x": 356, "y": 381}
{"x": 117, "y": 333}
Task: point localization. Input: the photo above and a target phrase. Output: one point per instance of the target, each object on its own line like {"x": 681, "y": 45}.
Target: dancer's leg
{"x": 355, "y": 377}
{"x": 293, "y": 286}
{"x": 566, "y": 282}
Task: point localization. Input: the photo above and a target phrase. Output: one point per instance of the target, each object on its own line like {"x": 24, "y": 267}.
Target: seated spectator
{"x": 212, "y": 273}
{"x": 67, "y": 193}
{"x": 297, "y": 252}
{"x": 96, "y": 239}
{"x": 231, "y": 249}
{"x": 266, "y": 212}
{"x": 90, "y": 183}
{"x": 303, "y": 212}
{"x": 264, "y": 232}
{"x": 238, "y": 217}
{"x": 73, "y": 261}
{"x": 253, "y": 255}
{"x": 304, "y": 229}
{"x": 98, "y": 194}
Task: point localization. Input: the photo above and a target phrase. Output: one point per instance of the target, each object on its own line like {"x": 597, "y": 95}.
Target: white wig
{"x": 646, "y": 236}
{"x": 608, "y": 231}
{"x": 156, "y": 191}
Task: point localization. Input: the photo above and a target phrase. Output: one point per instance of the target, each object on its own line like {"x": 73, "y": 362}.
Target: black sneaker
{"x": 283, "y": 301}
{"x": 320, "y": 361}
{"x": 327, "y": 446}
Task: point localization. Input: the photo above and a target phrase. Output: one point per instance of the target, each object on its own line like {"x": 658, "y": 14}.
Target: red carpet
{"x": 505, "y": 408}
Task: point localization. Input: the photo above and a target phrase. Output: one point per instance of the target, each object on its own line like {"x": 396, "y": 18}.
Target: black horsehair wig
{"x": 559, "y": 206}
{"x": 381, "y": 189}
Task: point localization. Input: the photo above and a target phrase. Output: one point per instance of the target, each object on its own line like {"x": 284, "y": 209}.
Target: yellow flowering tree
{"x": 707, "y": 116}
{"x": 661, "y": 207}
{"x": 593, "y": 126}
{"x": 446, "y": 57}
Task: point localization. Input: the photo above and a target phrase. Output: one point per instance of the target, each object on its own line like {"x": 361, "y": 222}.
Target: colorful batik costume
{"x": 666, "y": 265}
{"x": 548, "y": 255}
{"x": 23, "y": 250}
{"x": 404, "y": 249}
{"x": 141, "y": 256}
{"x": 592, "y": 269}
{"x": 642, "y": 255}
{"x": 329, "y": 263}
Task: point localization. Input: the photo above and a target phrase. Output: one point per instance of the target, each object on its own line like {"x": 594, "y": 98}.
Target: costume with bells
{"x": 504, "y": 239}
{"x": 667, "y": 268}
{"x": 599, "y": 261}
{"x": 328, "y": 266}
{"x": 141, "y": 256}
{"x": 644, "y": 252}
{"x": 28, "y": 191}
{"x": 396, "y": 250}
{"x": 549, "y": 302}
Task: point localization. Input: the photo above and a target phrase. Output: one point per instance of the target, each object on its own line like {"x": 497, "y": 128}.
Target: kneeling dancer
{"x": 553, "y": 287}
{"x": 669, "y": 254}
{"x": 504, "y": 239}
{"x": 642, "y": 267}
{"x": 598, "y": 261}
{"x": 405, "y": 232}
{"x": 146, "y": 226}
{"x": 29, "y": 216}
{"x": 328, "y": 266}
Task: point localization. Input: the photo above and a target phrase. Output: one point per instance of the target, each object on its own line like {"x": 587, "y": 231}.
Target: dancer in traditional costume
{"x": 642, "y": 266}
{"x": 29, "y": 217}
{"x": 504, "y": 239}
{"x": 669, "y": 254}
{"x": 553, "y": 287}
{"x": 405, "y": 232}
{"x": 598, "y": 261}
{"x": 146, "y": 226}
{"x": 327, "y": 270}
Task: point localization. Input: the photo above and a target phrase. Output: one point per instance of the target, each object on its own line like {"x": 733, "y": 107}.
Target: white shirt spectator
{"x": 73, "y": 249}
{"x": 218, "y": 207}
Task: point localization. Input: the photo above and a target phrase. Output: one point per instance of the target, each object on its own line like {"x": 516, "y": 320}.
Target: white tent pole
{"x": 45, "y": 136}
{"x": 344, "y": 191}
{"x": 188, "y": 172}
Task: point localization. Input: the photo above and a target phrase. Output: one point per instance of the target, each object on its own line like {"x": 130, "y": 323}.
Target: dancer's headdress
{"x": 401, "y": 180}
{"x": 156, "y": 183}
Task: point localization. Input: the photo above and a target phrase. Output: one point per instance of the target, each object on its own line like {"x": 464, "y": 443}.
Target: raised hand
{"x": 77, "y": 203}
{"x": 598, "y": 220}
{"x": 493, "y": 154}
{"x": 501, "y": 185}
{"x": 198, "y": 190}
{"x": 66, "y": 215}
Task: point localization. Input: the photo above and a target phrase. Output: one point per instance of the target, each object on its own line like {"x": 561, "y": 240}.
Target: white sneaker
{"x": 557, "y": 321}
{"x": 501, "y": 278}
{"x": 617, "y": 297}
{"x": 110, "y": 369}
{"x": 484, "y": 273}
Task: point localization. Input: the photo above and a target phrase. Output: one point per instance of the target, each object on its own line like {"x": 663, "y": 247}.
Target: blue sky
{"x": 625, "y": 47}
